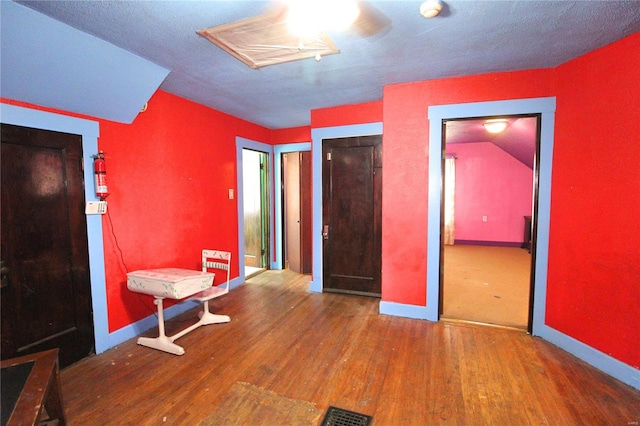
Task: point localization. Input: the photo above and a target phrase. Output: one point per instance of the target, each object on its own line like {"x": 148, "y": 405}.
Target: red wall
{"x": 405, "y": 150}
{"x": 169, "y": 174}
{"x": 594, "y": 263}
{"x": 490, "y": 182}
{"x": 593, "y": 289}
{"x": 291, "y": 135}
{"x": 370, "y": 112}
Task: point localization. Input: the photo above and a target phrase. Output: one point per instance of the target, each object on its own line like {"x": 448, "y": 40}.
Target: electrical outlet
{"x": 95, "y": 207}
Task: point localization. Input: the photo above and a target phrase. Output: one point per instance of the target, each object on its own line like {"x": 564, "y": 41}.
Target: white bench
{"x": 175, "y": 283}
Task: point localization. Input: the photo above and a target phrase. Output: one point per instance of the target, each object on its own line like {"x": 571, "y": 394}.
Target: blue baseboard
{"x": 407, "y": 311}
{"x": 609, "y": 365}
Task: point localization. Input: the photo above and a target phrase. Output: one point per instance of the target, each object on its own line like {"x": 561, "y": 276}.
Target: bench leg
{"x": 207, "y": 317}
{"x": 162, "y": 342}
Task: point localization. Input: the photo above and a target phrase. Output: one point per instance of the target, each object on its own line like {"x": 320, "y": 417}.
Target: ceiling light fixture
{"x": 496, "y": 125}
{"x": 431, "y": 8}
{"x": 309, "y": 18}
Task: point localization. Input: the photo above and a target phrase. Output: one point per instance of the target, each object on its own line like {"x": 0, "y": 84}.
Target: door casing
{"x": 437, "y": 114}
{"x": 317, "y": 135}
{"x": 89, "y": 130}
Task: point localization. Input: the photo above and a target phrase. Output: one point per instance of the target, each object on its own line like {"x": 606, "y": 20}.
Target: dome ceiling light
{"x": 496, "y": 125}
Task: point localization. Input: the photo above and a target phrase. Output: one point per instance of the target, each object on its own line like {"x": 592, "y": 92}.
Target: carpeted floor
{"x": 487, "y": 284}
{"x": 247, "y": 404}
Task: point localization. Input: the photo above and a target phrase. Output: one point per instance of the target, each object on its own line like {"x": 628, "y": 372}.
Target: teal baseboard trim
{"x": 609, "y": 365}
{"x": 407, "y": 311}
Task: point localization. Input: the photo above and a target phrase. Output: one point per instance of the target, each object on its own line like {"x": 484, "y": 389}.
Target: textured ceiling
{"x": 469, "y": 37}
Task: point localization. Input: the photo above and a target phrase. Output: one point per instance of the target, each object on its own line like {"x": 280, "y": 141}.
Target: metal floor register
{"x": 339, "y": 417}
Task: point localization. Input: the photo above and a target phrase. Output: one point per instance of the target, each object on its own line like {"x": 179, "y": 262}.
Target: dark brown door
{"x": 46, "y": 293}
{"x": 352, "y": 213}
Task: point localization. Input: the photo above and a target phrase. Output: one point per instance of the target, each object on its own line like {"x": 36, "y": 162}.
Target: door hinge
{"x": 328, "y": 156}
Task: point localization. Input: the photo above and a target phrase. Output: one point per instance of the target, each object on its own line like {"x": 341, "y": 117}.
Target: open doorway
{"x": 487, "y": 208}
{"x": 255, "y": 186}
{"x": 296, "y": 211}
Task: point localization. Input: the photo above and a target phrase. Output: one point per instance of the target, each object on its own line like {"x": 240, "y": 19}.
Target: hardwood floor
{"x": 331, "y": 349}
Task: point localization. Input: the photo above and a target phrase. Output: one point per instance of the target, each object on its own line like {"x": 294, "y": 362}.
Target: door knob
{"x": 325, "y": 232}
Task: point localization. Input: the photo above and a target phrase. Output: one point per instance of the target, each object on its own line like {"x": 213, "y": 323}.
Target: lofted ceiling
{"x": 518, "y": 139}
{"x": 468, "y": 37}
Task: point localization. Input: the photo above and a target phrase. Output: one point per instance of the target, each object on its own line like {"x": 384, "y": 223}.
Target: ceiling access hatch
{"x": 266, "y": 40}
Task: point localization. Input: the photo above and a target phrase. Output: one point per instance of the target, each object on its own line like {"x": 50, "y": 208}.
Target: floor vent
{"x": 339, "y": 417}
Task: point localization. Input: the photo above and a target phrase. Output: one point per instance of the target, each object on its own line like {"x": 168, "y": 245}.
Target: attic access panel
{"x": 266, "y": 40}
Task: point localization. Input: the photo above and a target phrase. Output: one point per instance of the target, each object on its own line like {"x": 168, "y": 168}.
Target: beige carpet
{"x": 248, "y": 405}
{"x": 487, "y": 284}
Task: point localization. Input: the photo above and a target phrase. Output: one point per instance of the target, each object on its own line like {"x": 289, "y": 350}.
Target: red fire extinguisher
{"x": 100, "y": 175}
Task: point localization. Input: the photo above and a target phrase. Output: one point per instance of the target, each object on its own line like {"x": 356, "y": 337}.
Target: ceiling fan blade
{"x": 371, "y": 21}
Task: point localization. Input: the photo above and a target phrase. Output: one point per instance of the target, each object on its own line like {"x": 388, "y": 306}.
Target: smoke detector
{"x": 431, "y": 8}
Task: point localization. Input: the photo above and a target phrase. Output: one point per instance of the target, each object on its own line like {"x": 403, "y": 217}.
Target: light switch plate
{"x": 95, "y": 207}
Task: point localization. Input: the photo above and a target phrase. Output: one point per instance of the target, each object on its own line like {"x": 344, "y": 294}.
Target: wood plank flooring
{"x": 331, "y": 349}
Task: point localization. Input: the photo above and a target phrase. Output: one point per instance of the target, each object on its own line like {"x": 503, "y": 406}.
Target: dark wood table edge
{"x": 41, "y": 389}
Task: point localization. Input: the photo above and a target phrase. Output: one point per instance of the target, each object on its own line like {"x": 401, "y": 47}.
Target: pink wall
{"x": 490, "y": 182}
{"x": 593, "y": 289}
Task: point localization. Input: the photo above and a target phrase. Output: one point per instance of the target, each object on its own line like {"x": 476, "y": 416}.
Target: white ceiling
{"x": 469, "y": 37}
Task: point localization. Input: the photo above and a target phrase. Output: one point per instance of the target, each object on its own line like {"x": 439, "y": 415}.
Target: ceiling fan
{"x": 271, "y": 38}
